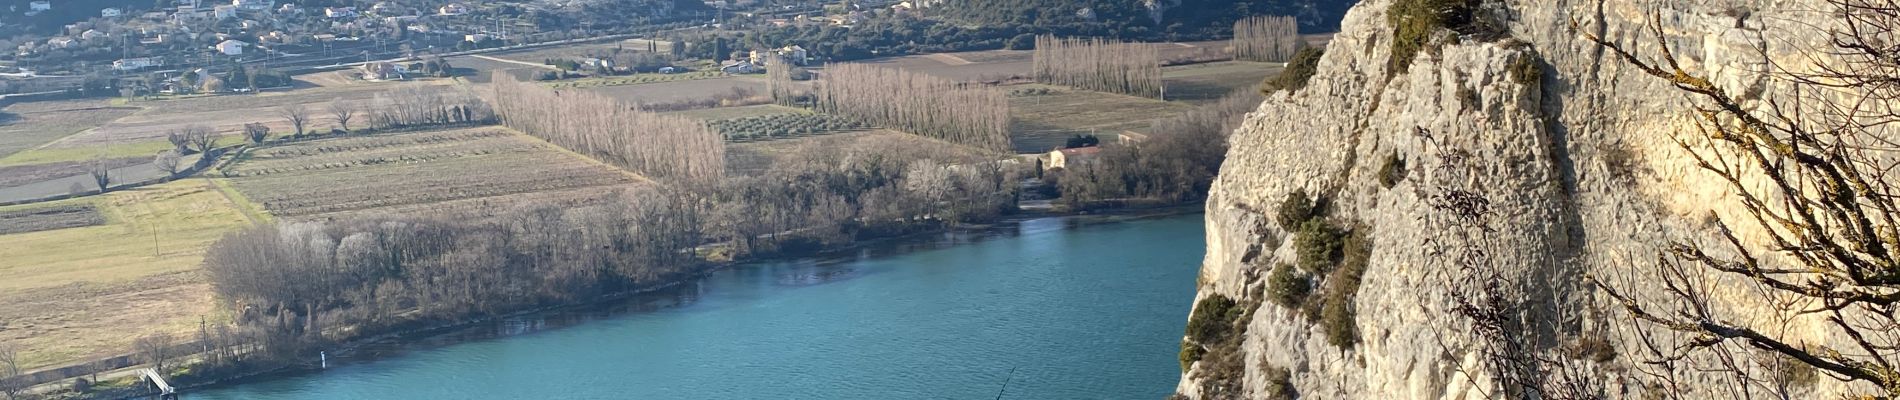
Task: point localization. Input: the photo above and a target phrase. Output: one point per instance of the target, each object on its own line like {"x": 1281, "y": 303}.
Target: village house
{"x": 452, "y": 9}
{"x": 385, "y": 8}
{"x": 40, "y": 5}
{"x": 739, "y": 67}
{"x": 62, "y": 42}
{"x": 110, "y": 12}
{"x": 134, "y": 64}
{"x": 92, "y": 34}
{"x": 383, "y": 71}
{"x": 1061, "y": 158}
{"x": 795, "y": 54}
{"x": 475, "y": 37}
{"x": 339, "y": 12}
{"x": 231, "y": 47}
{"x": 254, "y": 5}
{"x": 224, "y": 12}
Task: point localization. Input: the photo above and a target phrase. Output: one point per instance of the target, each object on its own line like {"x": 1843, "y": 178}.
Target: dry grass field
{"x": 37, "y": 219}
{"x": 755, "y": 158}
{"x": 539, "y": 54}
{"x": 1042, "y": 122}
{"x": 53, "y": 132}
{"x": 75, "y": 293}
{"x": 36, "y": 124}
{"x": 16, "y": 175}
{"x": 666, "y": 92}
{"x": 635, "y": 79}
{"x": 725, "y": 113}
{"x": 971, "y": 66}
{"x": 471, "y": 170}
{"x": 1207, "y": 83}
{"x": 229, "y": 113}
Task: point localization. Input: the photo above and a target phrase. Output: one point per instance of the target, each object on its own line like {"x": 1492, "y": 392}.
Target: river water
{"x": 1078, "y": 310}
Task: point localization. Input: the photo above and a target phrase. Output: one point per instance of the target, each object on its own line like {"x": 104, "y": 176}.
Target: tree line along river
{"x": 1078, "y": 309}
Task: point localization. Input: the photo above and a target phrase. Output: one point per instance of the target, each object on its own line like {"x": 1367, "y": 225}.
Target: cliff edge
{"x": 1509, "y": 155}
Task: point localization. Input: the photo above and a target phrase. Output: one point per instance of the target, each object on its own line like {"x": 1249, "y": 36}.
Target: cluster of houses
{"x": 262, "y": 22}
{"x": 756, "y": 61}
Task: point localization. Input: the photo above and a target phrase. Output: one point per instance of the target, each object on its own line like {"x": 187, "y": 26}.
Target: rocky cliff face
{"x": 1575, "y": 161}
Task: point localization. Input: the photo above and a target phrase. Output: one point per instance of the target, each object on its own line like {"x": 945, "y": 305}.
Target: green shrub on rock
{"x": 1210, "y": 321}
{"x": 1287, "y": 286}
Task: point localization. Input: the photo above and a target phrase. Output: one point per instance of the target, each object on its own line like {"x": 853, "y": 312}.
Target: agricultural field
{"x": 84, "y": 292}
{"x": 1207, "y": 83}
{"x": 36, "y": 219}
{"x": 1043, "y": 121}
{"x": 721, "y": 113}
{"x": 137, "y": 128}
{"x": 991, "y": 65}
{"x": 667, "y": 92}
{"x": 481, "y": 168}
{"x": 635, "y": 79}
{"x": 31, "y": 125}
{"x": 481, "y": 70}
{"x": 755, "y": 158}
{"x": 539, "y": 54}
{"x": 980, "y": 66}
{"x": 781, "y": 126}
{"x": 16, "y": 175}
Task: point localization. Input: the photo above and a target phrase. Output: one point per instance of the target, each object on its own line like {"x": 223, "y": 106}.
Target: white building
{"x": 339, "y": 12}
{"x": 62, "y": 42}
{"x": 254, "y": 5}
{"x": 224, "y": 12}
{"x": 232, "y": 47}
{"x": 134, "y": 64}
{"x": 475, "y": 37}
{"x": 92, "y": 34}
{"x": 41, "y": 5}
{"x": 110, "y": 12}
{"x": 452, "y": 9}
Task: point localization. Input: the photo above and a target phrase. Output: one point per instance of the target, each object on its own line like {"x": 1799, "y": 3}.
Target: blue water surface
{"x": 1078, "y": 310}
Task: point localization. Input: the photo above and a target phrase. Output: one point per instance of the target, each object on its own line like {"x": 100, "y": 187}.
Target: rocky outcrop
{"x": 1576, "y": 161}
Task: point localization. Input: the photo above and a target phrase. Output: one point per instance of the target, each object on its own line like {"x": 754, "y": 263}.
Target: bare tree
{"x": 1100, "y": 65}
{"x": 1811, "y": 171}
{"x": 256, "y": 132}
{"x": 154, "y": 349}
{"x": 11, "y": 382}
{"x": 1266, "y": 38}
{"x": 202, "y": 137}
{"x": 662, "y": 146}
{"x": 297, "y": 115}
{"x": 179, "y": 139}
{"x": 167, "y": 161}
{"x": 101, "y": 169}
{"x": 343, "y": 112}
{"x": 966, "y": 114}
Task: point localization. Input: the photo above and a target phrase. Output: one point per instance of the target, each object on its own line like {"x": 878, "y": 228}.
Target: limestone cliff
{"x": 1576, "y": 162}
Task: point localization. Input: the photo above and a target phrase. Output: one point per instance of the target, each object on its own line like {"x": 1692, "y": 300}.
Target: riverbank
{"x": 351, "y": 347}
{"x": 1078, "y": 309}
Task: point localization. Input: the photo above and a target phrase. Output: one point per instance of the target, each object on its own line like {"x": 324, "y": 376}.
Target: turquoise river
{"x": 1078, "y": 310}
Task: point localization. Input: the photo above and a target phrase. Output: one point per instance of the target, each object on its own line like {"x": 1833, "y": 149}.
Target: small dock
{"x": 165, "y": 389}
